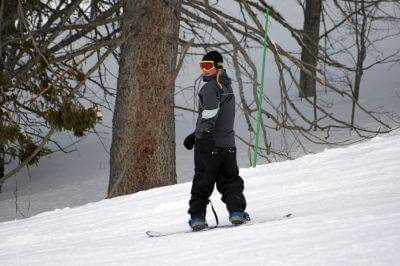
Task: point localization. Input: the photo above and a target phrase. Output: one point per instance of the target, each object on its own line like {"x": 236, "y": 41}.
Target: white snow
{"x": 345, "y": 204}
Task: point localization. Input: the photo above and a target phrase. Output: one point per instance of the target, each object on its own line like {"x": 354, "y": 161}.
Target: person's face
{"x": 212, "y": 72}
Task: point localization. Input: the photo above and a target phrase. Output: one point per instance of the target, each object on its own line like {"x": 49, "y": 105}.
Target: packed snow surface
{"x": 345, "y": 204}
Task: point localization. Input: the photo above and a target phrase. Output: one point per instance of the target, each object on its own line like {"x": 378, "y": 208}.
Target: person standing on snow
{"x": 215, "y": 151}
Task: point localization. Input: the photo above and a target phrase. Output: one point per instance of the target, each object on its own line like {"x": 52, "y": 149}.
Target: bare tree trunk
{"x": 309, "y": 55}
{"x": 361, "y": 55}
{"x": 143, "y": 145}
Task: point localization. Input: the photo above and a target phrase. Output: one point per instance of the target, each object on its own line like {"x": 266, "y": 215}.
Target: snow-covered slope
{"x": 345, "y": 202}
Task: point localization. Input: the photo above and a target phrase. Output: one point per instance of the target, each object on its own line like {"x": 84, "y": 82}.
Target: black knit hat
{"x": 216, "y": 57}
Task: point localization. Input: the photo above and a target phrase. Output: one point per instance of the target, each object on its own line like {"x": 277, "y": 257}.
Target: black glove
{"x": 206, "y": 143}
{"x": 189, "y": 141}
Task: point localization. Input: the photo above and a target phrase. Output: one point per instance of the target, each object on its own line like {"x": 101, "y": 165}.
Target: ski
{"x": 160, "y": 234}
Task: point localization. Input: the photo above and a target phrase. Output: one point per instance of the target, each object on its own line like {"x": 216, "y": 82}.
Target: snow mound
{"x": 345, "y": 204}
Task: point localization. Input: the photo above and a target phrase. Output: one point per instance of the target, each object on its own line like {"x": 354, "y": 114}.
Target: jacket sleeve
{"x": 210, "y": 103}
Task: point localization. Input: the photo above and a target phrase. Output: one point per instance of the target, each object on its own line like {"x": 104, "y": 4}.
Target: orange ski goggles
{"x": 206, "y": 66}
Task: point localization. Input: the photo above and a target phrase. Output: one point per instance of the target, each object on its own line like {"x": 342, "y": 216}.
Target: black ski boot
{"x": 198, "y": 223}
{"x": 239, "y": 217}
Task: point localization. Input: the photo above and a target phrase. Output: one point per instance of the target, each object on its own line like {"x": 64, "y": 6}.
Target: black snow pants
{"x": 216, "y": 167}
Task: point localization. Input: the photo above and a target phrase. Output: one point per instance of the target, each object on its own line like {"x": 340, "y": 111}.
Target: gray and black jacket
{"x": 217, "y": 110}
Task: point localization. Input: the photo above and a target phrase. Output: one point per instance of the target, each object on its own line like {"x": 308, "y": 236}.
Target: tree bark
{"x": 309, "y": 54}
{"x": 361, "y": 38}
{"x": 143, "y": 144}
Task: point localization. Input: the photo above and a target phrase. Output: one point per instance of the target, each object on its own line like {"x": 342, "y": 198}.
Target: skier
{"x": 214, "y": 147}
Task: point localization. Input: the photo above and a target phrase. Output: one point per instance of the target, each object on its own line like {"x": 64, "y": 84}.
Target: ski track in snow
{"x": 345, "y": 204}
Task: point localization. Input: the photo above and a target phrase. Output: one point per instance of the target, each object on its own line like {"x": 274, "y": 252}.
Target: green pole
{"x": 261, "y": 90}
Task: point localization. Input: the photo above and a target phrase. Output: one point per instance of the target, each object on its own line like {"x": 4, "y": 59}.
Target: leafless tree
{"x": 309, "y": 46}
{"x": 300, "y": 123}
{"x": 364, "y": 26}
